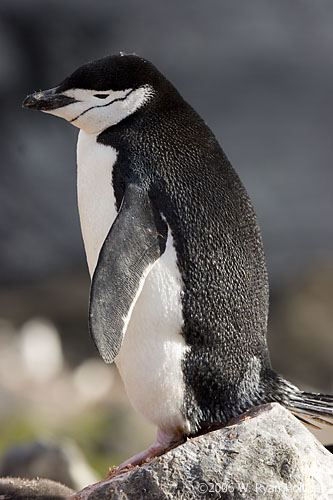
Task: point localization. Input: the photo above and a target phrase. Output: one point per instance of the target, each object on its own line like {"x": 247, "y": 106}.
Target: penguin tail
{"x": 313, "y": 409}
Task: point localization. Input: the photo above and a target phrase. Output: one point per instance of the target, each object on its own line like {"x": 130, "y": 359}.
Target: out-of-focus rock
{"x": 13, "y": 488}
{"x": 61, "y": 462}
{"x": 93, "y": 380}
{"x": 271, "y": 455}
{"x": 300, "y": 333}
{"x": 41, "y": 350}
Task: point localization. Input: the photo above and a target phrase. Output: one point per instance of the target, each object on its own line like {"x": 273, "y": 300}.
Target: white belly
{"x": 149, "y": 360}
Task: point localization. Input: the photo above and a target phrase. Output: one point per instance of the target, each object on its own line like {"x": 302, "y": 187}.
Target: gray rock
{"x": 59, "y": 461}
{"x": 13, "y": 488}
{"x": 267, "y": 454}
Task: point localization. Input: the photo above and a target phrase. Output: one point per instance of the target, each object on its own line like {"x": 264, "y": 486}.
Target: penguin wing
{"x": 135, "y": 241}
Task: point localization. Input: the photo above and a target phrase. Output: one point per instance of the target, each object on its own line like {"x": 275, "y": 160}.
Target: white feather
{"x": 93, "y": 115}
{"x": 95, "y": 194}
{"x": 153, "y": 348}
{"x": 150, "y": 358}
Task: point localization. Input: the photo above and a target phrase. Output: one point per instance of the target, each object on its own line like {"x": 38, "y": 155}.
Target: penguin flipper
{"x": 134, "y": 243}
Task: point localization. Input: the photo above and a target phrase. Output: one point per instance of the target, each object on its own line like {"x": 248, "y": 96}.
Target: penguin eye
{"x": 101, "y": 96}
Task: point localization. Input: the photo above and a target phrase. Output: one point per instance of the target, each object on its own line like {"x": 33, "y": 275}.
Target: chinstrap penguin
{"x": 179, "y": 291}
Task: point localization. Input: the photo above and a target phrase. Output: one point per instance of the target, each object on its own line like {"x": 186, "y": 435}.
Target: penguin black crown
{"x": 179, "y": 291}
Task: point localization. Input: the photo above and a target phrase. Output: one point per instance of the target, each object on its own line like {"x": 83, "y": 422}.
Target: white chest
{"x": 150, "y": 358}
{"x": 95, "y": 193}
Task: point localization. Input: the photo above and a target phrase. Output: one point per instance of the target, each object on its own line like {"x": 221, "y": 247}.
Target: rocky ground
{"x": 265, "y": 454}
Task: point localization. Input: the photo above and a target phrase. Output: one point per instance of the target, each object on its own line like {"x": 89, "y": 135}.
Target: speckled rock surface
{"x": 269, "y": 454}
{"x": 13, "y": 488}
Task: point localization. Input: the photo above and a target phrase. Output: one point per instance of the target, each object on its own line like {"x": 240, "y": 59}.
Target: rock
{"x": 266, "y": 454}
{"x": 59, "y": 461}
{"x": 13, "y": 488}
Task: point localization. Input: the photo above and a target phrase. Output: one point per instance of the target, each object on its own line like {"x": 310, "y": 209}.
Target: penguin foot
{"x": 165, "y": 441}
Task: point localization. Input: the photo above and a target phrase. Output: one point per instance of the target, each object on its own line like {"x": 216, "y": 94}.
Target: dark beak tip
{"x": 30, "y": 101}
{"x": 46, "y": 100}
{"x": 25, "y": 103}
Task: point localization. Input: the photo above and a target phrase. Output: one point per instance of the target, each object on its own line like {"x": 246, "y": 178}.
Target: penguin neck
{"x": 147, "y": 130}
{"x": 96, "y": 201}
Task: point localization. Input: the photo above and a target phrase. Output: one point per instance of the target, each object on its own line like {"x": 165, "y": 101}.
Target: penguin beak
{"x": 47, "y": 100}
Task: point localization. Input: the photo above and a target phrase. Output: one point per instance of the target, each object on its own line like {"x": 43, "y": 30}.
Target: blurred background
{"x": 261, "y": 74}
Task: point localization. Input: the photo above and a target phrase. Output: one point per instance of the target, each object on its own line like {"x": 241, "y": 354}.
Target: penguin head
{"x": 103, "y": 92}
